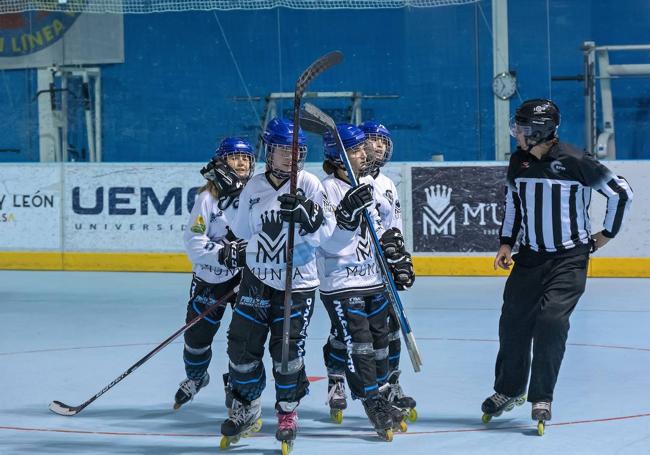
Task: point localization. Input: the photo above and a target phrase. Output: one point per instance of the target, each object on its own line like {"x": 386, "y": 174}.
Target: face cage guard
{"x": 388, "y": 154}
{"x": 270, "y": 149}
{"x": 366, "y": 169}
{"x": 251, "y": 164}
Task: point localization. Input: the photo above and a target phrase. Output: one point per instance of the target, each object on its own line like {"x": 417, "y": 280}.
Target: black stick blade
{"x": 63, "y": 409}
{"x": 312, "y": 124}
{"x": 326, "y": 61}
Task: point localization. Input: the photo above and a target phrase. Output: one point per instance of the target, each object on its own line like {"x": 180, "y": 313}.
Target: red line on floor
{"x": 329, "y": 435}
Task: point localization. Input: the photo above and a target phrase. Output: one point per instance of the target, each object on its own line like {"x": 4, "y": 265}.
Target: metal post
{"x": 500, "y": 62}
{"x": 589, "y": 95}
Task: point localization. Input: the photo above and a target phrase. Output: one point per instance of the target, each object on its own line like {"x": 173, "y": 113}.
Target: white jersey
{"x": 388, "y": 204}
{"x": 346, "y": 263}
{"x": 259, "y": 222}
{"x": 207, "y": 233}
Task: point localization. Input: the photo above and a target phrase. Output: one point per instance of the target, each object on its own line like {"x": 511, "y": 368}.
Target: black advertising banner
{"x": 457, "y": 209}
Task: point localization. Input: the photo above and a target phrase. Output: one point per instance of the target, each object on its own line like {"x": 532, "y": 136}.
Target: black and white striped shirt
{"x": 547, "y": 200}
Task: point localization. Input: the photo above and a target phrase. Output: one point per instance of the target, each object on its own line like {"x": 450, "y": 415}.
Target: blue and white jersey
{"x": 259, "y": 222}
{"x": 208, "y": 229}
{"x": 346, "y": 262}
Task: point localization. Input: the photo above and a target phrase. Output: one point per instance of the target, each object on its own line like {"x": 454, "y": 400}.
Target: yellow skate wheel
{"x": 337, "y": 416}
{"x": 412, "y": 415}
{"x": 224, "y": 443}
{"x": 540, "y": 428}
{"x": 389, "y": 435}
{"x": 486, "y": 418}
{"x": 286, "y": 448}
{"x": 257, "y": 427}
{"x": 403, "y": 427}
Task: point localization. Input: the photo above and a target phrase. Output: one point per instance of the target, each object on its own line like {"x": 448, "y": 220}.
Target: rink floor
{"x": 65, "y": 335}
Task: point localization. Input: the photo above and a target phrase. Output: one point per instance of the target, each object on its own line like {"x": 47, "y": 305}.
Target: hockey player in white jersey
{"x": 216, "y": 255}
{"x": 399, "y": 259}
{"x": 265, "y": 207}
{"x": 352, "y": 289}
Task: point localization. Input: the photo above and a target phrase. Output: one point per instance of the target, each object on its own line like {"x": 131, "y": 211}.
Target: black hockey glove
{"x": 350, "y": 209}
{"x": 302, "y": 211}
{"x": 233, "y": 254}
{"x": 392, "y": 242}
{"x": 403, "y": 273}
{"x": 224, "y": 178}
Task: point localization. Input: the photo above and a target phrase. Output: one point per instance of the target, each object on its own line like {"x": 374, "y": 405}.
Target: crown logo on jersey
{"x": 271, "y": 223}
{"x": 271, "y": 246}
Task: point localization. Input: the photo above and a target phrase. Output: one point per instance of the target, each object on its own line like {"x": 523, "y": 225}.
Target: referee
{"x": 547, "y": 200}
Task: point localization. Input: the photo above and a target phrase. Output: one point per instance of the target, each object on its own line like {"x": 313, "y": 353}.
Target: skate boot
{"x": 243, "y": 420}
{"x": 395, "y": 395}
{"x": 188, "y": 388}
{"x": 287, "y": 425}
{"x": 379, "y": 414}
{"x": 497, "y": 403}
{"x": 542, "y": 413}
{"x": 227, "y": 392}
{"x": 336, "y": 397}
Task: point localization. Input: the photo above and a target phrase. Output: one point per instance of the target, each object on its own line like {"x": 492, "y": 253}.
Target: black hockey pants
{"x": 537, "y": 303}
{"x": 260, "y": 310}
{"x": 197, "y": 352}
{"x": 358, "y": 344}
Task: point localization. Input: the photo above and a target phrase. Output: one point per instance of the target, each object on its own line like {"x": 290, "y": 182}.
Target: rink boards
{"x": 131, "y": 217}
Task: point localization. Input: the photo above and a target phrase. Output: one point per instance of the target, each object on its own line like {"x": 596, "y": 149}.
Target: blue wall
{"x": 172, "y": 99}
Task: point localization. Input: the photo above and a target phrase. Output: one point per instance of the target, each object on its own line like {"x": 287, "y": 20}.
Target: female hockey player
{"x": 548, "y": 190}
{"x": 352, "y": 289}
{"x": 388, "y": 206}
{"x": 216, "y": 254}
{"x": 266, "y": 206}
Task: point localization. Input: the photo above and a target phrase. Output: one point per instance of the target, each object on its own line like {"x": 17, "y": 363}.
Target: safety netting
{"x": 158, "y": 6}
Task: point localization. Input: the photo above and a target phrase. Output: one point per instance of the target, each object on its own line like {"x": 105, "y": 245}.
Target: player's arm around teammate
{"x": 216, "y": 255}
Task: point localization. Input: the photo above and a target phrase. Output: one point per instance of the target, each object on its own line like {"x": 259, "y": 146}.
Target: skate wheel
{"x": 177, "y": 406}
{"x": 224, "y": 443}
{"x": 286, "y": 447}
{"x": 486, "y": 418}
{"x": 388, "y": 435}
{"x": 540, "y": 428}
{"x": 403, "y": 427}
{"x": 257, "y": 427}
{"x": 336, "y": 415}
{"x": 412, "y": 415}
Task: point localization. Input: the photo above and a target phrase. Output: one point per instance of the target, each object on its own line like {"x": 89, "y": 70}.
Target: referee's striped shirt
{"x": 547, "y": 200}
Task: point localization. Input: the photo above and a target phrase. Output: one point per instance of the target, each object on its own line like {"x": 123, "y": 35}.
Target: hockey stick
{"x": 66, "y": 410}
{"x": 312, "y": 71}
{"x": 313, "y": 119}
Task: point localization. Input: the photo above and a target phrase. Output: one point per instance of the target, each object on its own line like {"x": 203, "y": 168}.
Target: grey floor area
{"x": 65, "y": 335}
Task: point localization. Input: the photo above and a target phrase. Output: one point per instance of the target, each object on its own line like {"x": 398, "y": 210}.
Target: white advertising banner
{"x": 128, "y": 207}
{"x": 634, "y": 238}
{"x": 30, "y": 207}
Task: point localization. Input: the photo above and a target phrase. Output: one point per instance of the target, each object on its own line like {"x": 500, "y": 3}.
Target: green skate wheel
{"x": 224, "y": 443}
{"x": 540, "y": 428}
{"x": 412, "y": 415}
{"x": 486, "y": 418}
{"x": 336, "y": 415}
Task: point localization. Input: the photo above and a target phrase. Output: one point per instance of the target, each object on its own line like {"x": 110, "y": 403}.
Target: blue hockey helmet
{"x": 377, "y": 132}
{"x": 353, "y": 139}
{"x": 277, "y": 138}
{"x": 236, "y": 146}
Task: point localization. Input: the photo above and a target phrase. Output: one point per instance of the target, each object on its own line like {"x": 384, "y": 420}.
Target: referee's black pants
{"x": 538, "y": 300}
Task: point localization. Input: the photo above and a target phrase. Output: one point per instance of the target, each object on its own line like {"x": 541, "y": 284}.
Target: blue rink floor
{"x": 65, "y": 335}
